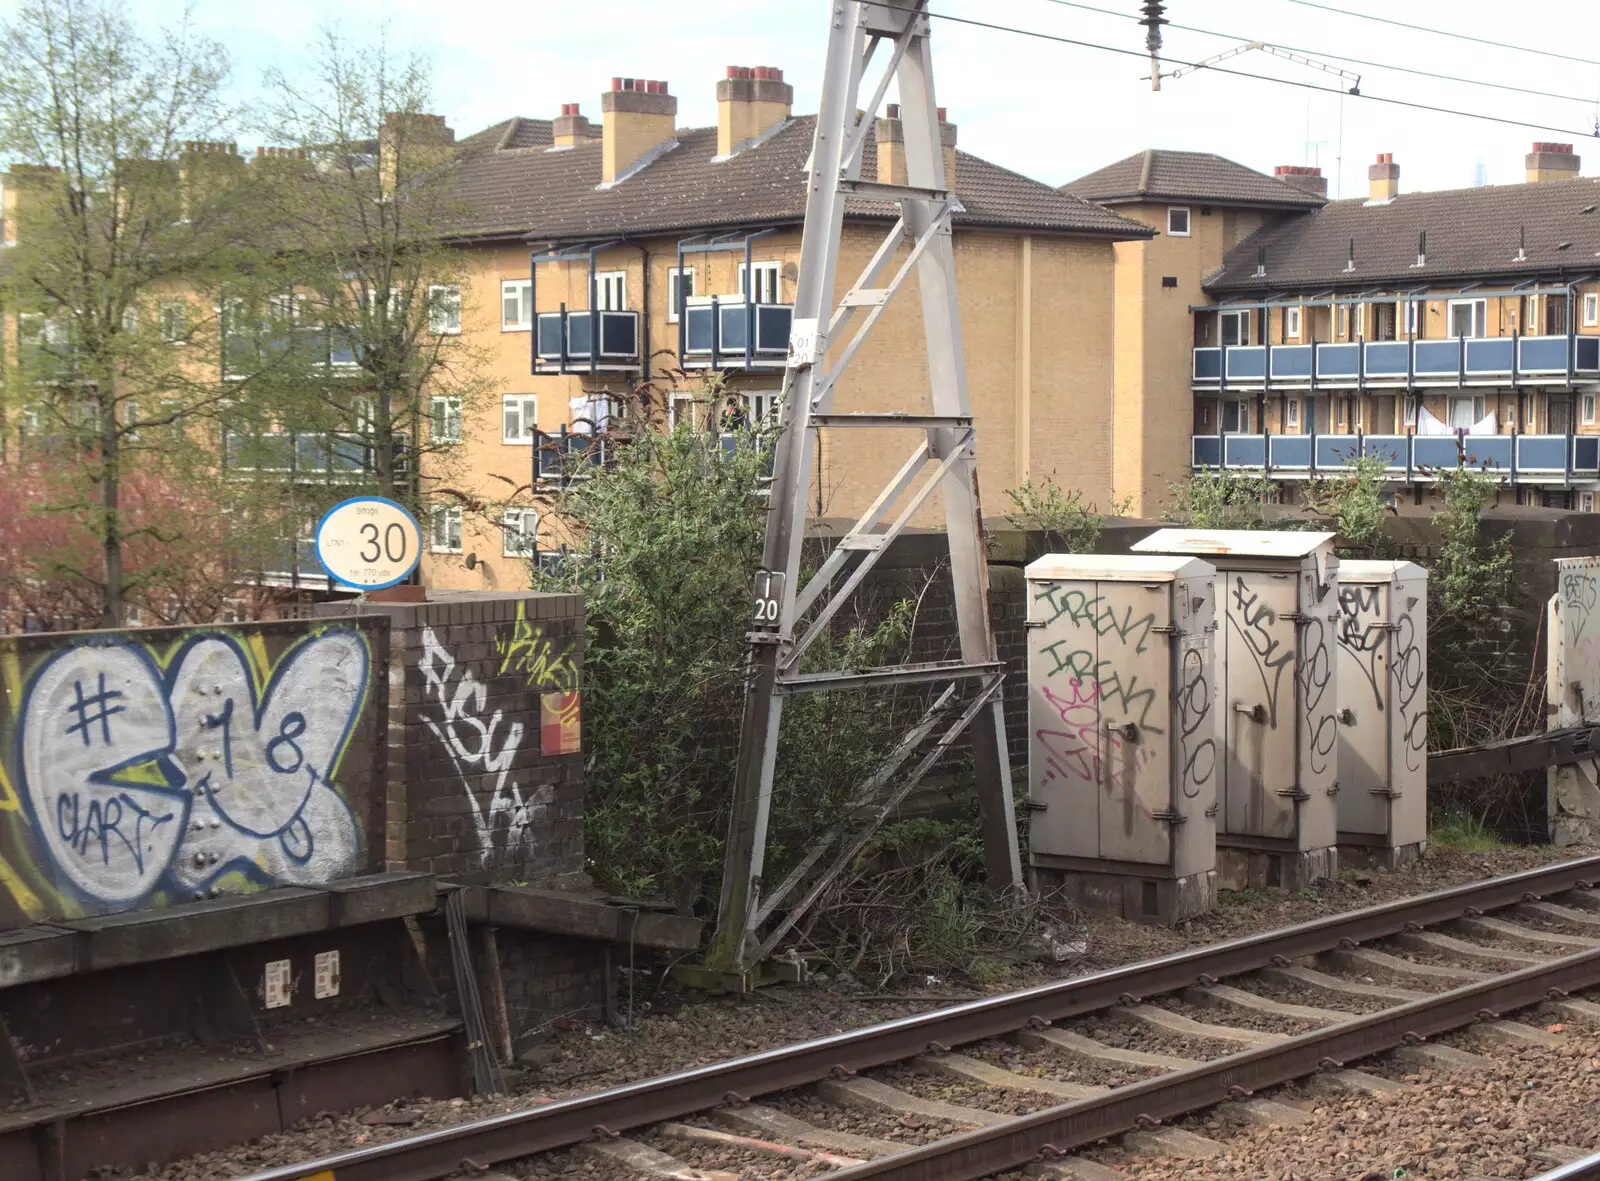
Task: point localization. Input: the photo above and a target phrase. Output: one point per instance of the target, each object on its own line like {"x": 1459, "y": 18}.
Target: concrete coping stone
{"x": 71, "y": 946}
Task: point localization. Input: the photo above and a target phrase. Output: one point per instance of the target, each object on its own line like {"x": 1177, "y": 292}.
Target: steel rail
{"x": 1587, "y": 1169}
{"x": 432, "y": 1155}
{"x": 1058, "y": 1130}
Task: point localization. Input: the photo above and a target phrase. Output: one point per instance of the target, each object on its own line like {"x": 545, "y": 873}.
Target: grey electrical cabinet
{"x": 1383, "y": 708}
{"x": 1278, "y": 605}
{"x": 1124, "y": 737}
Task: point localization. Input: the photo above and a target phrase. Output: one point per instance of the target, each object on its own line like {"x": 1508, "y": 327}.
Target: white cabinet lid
{"x": 1364, "y": 570}
{"x": 1117, "y": 568}
{"x": 1263, "y": 543}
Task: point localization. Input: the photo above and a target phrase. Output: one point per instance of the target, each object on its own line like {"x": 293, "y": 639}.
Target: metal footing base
{"x": 1355, "y": 853}
{"x": 1268, "y": 869}
{"x": 1139, "y": 898}
{"x": 715, "y": 980}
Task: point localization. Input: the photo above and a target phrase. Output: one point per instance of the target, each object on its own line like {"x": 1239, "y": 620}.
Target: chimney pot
{"x": 750, "y": 101}
{"x": 732, "y": 72}
{"x": 894, "y": 111}
{"x": 940, "y": 113}
{"x": 1551, "y": 161}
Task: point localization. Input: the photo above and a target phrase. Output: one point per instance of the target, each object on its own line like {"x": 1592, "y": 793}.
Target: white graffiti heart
{"x": 243, "y": 783}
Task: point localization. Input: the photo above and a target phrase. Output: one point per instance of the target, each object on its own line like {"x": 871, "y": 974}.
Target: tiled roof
{"x": 1160, "y": 175}
{"x": 553, "y": 194}
{"x": 1470, "y": 232}
{"x": 510, "y": 135}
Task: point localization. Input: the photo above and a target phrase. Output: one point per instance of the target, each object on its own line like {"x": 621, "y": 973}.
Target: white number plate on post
{"x": 803, "y": 342}
{"x": 769, "y": 600}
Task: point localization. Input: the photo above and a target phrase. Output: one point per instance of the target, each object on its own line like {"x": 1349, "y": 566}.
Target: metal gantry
{"x": 788, "y": 617}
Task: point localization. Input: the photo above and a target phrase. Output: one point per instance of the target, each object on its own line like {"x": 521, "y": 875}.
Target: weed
{"x": 1465, "y": 833}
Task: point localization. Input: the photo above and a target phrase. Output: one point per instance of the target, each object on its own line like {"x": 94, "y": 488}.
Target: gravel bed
{"x": 750, "y": 1166}
{"x": 905, "y": 1129}
{"x": 1125, "y": 1035}
{"x": 1061, "y": 1064}
{"x": 1443, "y": 959}
{"x": 927, "y": 1085}
{"x": 673, "y": 1033}
{"x": 1442, "y": 1126}
{"x": 1224, "y": 1014}
{"x": 1305, "y": 994}
{"x": 556, "y": 1165}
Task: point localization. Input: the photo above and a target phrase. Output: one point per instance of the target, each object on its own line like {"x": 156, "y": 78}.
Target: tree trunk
{"x": 113, "y": 611}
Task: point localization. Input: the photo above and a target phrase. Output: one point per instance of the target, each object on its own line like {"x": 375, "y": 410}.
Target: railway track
{"x": 1042, "y": 1074}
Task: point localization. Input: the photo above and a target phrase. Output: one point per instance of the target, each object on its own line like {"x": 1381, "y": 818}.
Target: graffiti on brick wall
{"x": 483, "y": 744}
{"x": 143, "y": 773}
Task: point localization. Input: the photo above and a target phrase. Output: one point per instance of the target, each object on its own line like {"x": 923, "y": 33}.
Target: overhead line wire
{"x": 1143, "y": 55}
{"x": 1338, "y": 56}
{"x": 1587, "y": 61}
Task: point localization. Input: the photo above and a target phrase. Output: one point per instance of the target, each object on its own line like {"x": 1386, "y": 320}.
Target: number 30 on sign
{"x": 368, "y": 542}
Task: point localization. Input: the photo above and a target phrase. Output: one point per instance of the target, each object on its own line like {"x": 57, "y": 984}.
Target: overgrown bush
{"x": 1071, "y": 524}
{"x": 1228, "y": 499}
{"x": 1356, "y": 505}
{"x": 666, "y": 539}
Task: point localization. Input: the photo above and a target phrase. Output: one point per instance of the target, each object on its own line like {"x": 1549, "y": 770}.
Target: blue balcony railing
{"x": 728, "y": 334}
{"x": 1472, "y": 361}
{"x": 565, "y": 342}
{"x": 304, "y": 456}
{"x": 1514, "y": 458}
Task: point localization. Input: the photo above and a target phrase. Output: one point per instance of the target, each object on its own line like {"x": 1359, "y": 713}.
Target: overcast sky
{"x": 1050, "y": 110}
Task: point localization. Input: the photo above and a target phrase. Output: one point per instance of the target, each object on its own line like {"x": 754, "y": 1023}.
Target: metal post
{"x": 858, "y": 29}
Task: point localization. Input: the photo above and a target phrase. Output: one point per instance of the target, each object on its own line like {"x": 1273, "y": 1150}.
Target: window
{"x": 1342, "y": 321}
{"x": 1468, "y": 317}
{"x": 1361, "y": 321}
{"x": 1410, "y": 412}
{"x": 516, "y": 305}
{"x": 1235, "y": 328}
{"x": 1586, "y": 410}
{"x": 611, "y": 289}
{"x": 766, "y": 284}
{"x": 518, "y": 418}
{"x": 130, "y": 320}
{"x": 1236, "y": 418}
{"x": 1338, "y": 410}
{"x": 1291, "y": 413}
{"x": 1178, "y": 221}
{"x": 1591, "y": 309}
{"x": 1586, "y": 502}
{"x": 680, "y": 288}
{"x": 681, "y": 410}
{"x": 444, "y": 529}
{"x": 1408, "y": 316}
{"x": 444, "y": 309}
{"x": 761, "y": 407}
{"x": 520, "y": 529}
{"x": 446, "y": 420}
{"x": 174, "y": 320}
{"x": 1291, "y": 323}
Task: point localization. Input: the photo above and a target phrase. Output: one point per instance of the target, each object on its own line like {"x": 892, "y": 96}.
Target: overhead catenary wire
{"x": 1384, "y": 20}
{"x": 1394, "y": 102}
{"x": 1357, "y": 61}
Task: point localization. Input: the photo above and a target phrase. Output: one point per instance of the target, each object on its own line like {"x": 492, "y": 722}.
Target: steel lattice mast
{"x": 788, "y": 617}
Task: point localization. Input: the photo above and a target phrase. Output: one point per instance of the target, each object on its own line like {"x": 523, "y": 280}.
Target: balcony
{"x": 247, "y": 353}
{"x": 564, "y": 342}
{"x": 733, "y": 334}
{"x": 1400, "y": 364}
{"x": 1514, "y": 458}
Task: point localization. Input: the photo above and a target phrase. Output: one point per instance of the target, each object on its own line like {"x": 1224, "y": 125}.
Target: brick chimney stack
{"x": 1383, "y": 178}
{"x": 1309, "y": 180}
{"x": 890, "y": 134}
{"x": 637, "y": 116}
{"x": 1551, "y": 162}
{"x": 750, "y": 101}
{"x": 571, "y": 128}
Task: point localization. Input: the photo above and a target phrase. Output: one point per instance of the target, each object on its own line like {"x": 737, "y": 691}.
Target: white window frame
{"x": 1408, "y": 316}
{"x": 1188, "y": 221}
{"x": 1409, "y": 411}
{"x": 1360, "y": 322}
{"x": 130, "y": 320}
{"x": 1342, "y": 325}
{"x": 172, "y": 316}
{"x": 1243, "y": 318}
{"x": 1292, "y": 323}
{"x": 1291, "y": 413}
{"x": 444, "y": 309}
{"x": 674, "y": 282}
{"x": 680, "y": 410}
{"x": 1586, "y": 502}
{"x": 760, "y": 407}
{"x": 768, "y": 284}
{"x": 611, "y": 291}
{"x": 527, "y": 410}
{"x": 444, "y": 418}
{"x": 1479, "y": 317}
{"x": 444, "y": 521}
{"x": 522, "y": 291}
{"x": 1339, "y": 409}
{"x": 1586, "y": 410}
{"x": 520, "y": 539}
{"x": 1241, "y": 411}
{"x": 1591, "y": 309}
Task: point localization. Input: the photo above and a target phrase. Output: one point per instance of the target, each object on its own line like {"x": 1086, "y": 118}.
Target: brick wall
{"x": 486, "y": 774}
